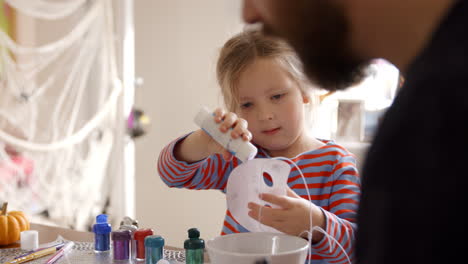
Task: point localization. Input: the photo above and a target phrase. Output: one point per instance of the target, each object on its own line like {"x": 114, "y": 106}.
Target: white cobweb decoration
{"x": 58, "y": 107}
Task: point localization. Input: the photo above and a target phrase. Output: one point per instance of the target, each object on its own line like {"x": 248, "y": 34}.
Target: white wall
{"x": 176, "y": 47}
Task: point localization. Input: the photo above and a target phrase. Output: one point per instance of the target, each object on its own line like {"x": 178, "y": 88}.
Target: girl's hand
{"x": 228, "y": 123}
{"x": 292, "y": 218}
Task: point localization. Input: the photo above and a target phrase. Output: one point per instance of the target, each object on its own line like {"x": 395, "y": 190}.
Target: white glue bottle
{"x": 243, "y": 150}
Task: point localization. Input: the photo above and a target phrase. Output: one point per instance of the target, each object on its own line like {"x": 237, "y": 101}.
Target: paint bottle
{"x": 128, "y": 221}
{"x": 154, "y": 246}
{"x": 130, "y": 224}
{"x": 243, "y": 150}
{"x": 194, "y": 247}
{"x": 102, "y": 230}
{"x": 121, "y": 239}
{"x": 139, "y": 237}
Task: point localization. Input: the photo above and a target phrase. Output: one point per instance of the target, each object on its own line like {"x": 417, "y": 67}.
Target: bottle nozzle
{"x": 194, "y": 241}
{"x": 102, "y": 218}
{"x": 193, "y": 233}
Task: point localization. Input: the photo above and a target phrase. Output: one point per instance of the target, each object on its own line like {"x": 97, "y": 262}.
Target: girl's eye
{"x": 246, "y": 105}
{"x": 277, "y": 96}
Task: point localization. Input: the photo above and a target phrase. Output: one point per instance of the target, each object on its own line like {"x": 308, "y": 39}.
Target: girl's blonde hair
{"x": 242, "y": 49}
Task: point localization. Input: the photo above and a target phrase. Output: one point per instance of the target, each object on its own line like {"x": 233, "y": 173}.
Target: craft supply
{"x": 154, "y": 249}
{"x": 245, "y": 184}
{"x": 139, "y": 237}
{"x": 64, "y": 250}
{"x": 57, "y": 246}
{"x": 29, "y": 240}
{"x": 83, "y": 253}
{"x": 194, "y": 247}
{"x": 130, "y": 224}
{"x": 128, "y": 221}
{"x": 34, "y": 255}
{"x": 121, "y": 239}
{"x": 102, "y": 230}
{"x": 243, "y": 150}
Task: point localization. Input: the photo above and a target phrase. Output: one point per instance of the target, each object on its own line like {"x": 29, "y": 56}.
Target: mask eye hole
{"x": 267, "y": 179}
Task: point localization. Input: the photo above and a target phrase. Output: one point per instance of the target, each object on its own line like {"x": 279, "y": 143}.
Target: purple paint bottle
{"x": 121, "y": 245}
{"x": 132, "y": 225}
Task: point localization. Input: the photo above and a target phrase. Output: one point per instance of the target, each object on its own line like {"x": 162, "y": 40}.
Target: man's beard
{"x": 320, "y": 36}
{"x": 330, "y": 66}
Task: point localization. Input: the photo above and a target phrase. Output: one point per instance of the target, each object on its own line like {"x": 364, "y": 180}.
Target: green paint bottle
{"x": 194, "y": 247}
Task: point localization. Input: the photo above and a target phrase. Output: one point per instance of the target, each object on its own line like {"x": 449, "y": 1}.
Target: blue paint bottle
{"x": 102, "y": 230}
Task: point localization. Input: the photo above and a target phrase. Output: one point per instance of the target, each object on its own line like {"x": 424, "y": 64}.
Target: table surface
{"x": 50, "y": 233}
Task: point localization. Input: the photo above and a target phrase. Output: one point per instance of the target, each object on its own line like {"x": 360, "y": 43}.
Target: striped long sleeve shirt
{"x": 332, "y": 180}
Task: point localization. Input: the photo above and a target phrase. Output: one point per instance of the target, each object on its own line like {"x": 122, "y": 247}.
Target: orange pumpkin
{"x": 11, "y": 225}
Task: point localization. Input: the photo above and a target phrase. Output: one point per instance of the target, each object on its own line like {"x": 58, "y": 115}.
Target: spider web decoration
{"x": 59, "y": 111}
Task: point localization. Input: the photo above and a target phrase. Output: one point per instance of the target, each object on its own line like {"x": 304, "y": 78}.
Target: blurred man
{"x": 414, "y": 177}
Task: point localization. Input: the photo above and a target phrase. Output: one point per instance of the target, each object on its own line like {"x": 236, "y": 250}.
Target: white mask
{"x": 246, "y": 183}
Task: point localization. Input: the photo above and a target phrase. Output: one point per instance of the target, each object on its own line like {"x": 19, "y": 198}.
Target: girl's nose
{"x": 265, "y": 113}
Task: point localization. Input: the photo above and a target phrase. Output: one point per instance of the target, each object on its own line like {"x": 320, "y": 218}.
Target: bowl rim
{"x": 209, "y": 247}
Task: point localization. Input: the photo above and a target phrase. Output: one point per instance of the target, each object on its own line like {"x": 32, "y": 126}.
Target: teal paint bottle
{"x": 194, "y": 247}
{"x": 154, "y": 249}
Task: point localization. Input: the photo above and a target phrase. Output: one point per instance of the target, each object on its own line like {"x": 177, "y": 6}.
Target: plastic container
{"x": 194, "y": 247}
{"x": 139, "y": 237}
{"x": 122, "y": 239}
{"x": 29, "y": 240}
{"x": 154, "y": 246}
{"x": 102, "y": 230}
{"x": 130, "y": 224}
{"x": 248, "y": 248}
{"x": 243, "y": 150}
{"x": 128, "y": 221}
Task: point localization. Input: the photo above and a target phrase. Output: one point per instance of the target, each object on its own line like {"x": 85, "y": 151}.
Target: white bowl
{"x": 249, "y": 248}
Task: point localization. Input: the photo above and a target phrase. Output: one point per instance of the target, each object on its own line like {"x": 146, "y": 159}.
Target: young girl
{"x": 266, "y": 96}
